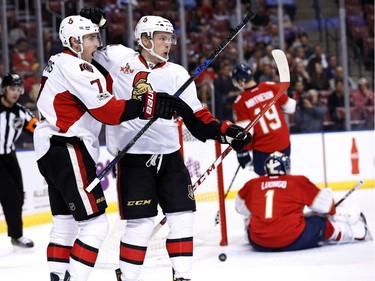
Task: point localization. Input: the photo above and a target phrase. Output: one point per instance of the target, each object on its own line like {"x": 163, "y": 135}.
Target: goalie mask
{"x": 149, "y": 25}
{"x": 277, "y": 164}
{"x": 77, "y": 27}
{"x": 12, "y": 79}
{"x": 242, "y": 73}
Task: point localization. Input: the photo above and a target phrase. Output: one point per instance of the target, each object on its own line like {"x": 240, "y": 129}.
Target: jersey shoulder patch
{"x": 86, "y": 67}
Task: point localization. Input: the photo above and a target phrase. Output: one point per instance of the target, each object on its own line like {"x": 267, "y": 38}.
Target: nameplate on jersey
{"x": 85, "y": 66}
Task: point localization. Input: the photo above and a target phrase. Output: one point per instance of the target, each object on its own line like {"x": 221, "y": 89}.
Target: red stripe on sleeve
{"x": 205, "y": 115}
{"x": 110, "y": 113}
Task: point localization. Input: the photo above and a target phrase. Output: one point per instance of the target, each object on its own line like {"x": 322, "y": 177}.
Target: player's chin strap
{"x": 152, "y": 52}
{"x": 79, "y": 54}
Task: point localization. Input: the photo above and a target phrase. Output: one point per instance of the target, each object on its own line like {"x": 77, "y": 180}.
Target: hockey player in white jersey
{"x": 73, "y": 103}
{"x": 153, "y": 171}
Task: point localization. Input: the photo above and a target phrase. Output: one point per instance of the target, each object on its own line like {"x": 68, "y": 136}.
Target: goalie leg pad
{"x": 349, "y": 225}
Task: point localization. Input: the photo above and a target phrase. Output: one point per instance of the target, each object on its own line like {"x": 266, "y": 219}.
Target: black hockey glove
{"x": 234, "y": 135}
{"x": 96, "y": 15}
{"x": 158, "y": 105}
{"x": 243, "y": 157}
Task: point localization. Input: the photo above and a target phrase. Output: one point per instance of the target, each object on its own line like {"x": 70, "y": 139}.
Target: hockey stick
{"x": 254, "y": 7}
{"x": 283, "y": 68}
{"x": 354, "y": 188}
{"x": 226, "y": 194}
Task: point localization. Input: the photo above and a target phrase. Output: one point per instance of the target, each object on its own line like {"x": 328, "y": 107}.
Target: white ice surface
{"x": 350, "y": 262}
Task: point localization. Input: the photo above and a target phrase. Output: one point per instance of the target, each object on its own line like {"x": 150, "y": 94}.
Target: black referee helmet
{"x": 11, "y": 79}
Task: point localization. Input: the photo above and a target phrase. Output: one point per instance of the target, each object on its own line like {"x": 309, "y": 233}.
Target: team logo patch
{"x": 17, "y": 123}
{"x": 72, "y": 206}
{"x": 103, "y": 96}
{"x": 86, "y": 66}
{"x": 140, "y": 84}
{"x": 126, "y": 69}
{"x": 100, "y": 200}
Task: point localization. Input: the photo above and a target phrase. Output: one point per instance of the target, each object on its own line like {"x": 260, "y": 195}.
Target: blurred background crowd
{"x": 310, "y": 37}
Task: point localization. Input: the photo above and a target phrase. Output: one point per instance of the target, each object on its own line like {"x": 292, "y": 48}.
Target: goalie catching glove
{"x": 96, "y": 15}
{"x": 234, "y": 135}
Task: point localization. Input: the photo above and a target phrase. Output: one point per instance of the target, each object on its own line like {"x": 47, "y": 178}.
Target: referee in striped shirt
{"x": 14, "y": 118}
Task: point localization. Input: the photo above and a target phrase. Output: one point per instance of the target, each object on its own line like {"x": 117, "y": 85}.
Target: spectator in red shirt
{"x": 25, "y": 64}
{"x": 272, "y": 206}
{"x": 23, "y": 59}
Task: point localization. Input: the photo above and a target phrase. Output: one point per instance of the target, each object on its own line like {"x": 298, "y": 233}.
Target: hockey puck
{"x": 222, "y": 257}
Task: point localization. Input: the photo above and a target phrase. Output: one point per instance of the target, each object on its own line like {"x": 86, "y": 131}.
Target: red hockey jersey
{"x": 276, "y": 207}
{"x": 271, "y": 133}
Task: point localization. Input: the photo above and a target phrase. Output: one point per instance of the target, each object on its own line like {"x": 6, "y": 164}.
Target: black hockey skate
{"x": 179, "y": 278}
{"x": 67, "y": 276}
{"x": 54, "y": 277}
{"x": 22, "y": 242}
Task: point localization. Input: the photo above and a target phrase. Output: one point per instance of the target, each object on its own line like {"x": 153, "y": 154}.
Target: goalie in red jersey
{"x": 273, "y": 205}
{"x": 271, "y": 132}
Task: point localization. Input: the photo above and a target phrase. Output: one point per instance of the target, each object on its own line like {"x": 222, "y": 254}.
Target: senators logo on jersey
{"x": 86, "y": 66}
{"x": 140, "y": 84}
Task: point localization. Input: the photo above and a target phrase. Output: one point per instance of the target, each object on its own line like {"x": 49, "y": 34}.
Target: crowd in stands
{"x": 316, "y": 77}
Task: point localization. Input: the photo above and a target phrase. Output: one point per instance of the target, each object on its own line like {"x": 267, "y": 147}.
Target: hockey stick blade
{"x": 254, "y": 7}
{"x": 354, "y": 188}
{"x": 283, "y": 69}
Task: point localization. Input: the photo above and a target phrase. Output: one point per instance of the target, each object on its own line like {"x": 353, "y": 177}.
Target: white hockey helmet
{"x": 77, "y": 27}
{"x": 150, "y": 24}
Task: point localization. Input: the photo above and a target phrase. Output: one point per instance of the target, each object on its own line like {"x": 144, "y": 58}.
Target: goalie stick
{"x": 254, "y": 7}
{"x": 283, "y": 69}
{"x": 354, "y": 188}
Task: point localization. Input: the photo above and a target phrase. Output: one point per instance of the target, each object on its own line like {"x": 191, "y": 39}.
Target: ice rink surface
{"x": 350, "y": 262}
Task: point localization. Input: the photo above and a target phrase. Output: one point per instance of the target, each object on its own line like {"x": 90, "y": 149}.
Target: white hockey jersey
{"x": 73, "y": 97}
{"x": 131, "y": 76}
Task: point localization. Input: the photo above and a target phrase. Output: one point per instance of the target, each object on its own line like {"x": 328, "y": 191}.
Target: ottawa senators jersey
{"x": 271, "y": 133}
{"x": 276, "y": 205}
{"x": 73, "y": 98}
{"x": 132, "y": 76}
